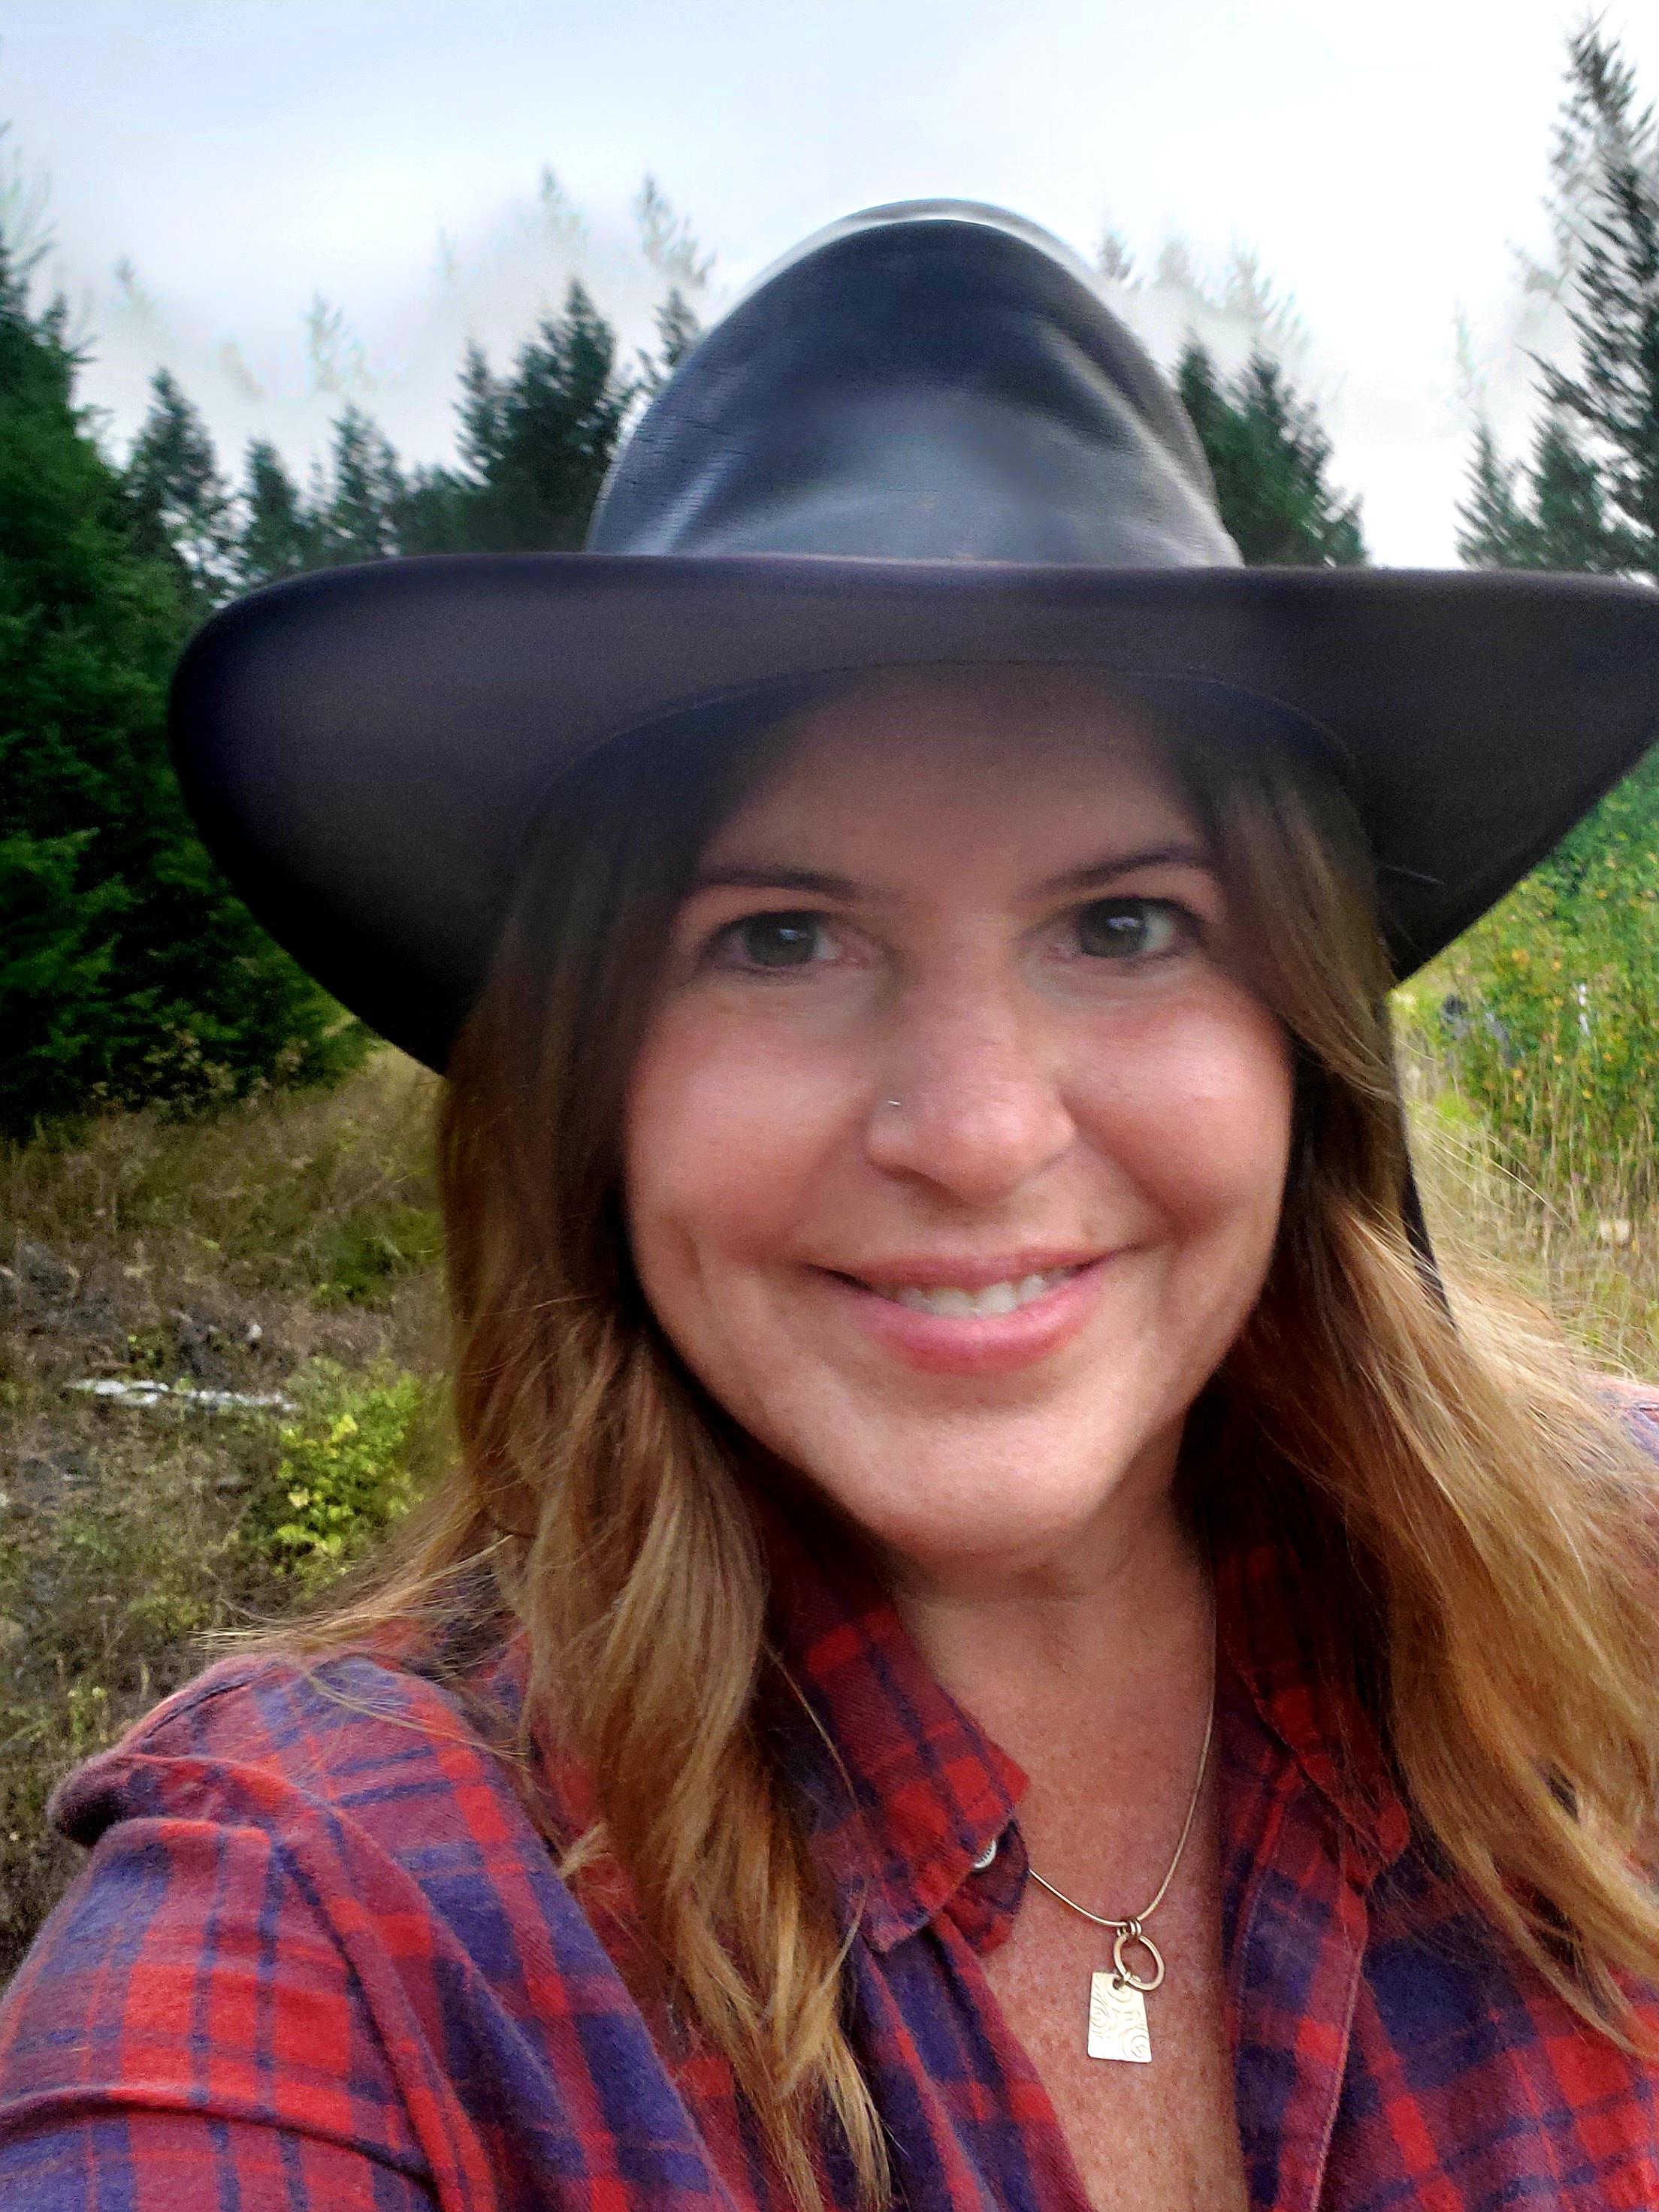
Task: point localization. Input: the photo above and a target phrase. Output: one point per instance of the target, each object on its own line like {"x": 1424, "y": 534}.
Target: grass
{"x": 286, "y": 1245}
{"x": 1577, "y": 1238}
{"x": 289, "y": 1244}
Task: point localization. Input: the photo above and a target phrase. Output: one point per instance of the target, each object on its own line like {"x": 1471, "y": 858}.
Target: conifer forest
{"x": 215, "y": 1185}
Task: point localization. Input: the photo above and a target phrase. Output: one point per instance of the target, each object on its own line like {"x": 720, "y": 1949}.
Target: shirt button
{"x": 986, "y": 1857}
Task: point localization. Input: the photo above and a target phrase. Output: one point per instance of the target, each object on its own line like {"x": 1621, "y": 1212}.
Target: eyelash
{"x": 727, "y": 940}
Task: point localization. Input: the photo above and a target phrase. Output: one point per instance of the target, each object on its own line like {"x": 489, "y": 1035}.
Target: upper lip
{"x": 932, "y": 1271}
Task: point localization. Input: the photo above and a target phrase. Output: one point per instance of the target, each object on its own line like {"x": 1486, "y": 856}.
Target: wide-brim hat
{"x": 922, "y": 438}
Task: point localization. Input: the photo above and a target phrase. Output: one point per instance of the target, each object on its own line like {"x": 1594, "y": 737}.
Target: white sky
{"x": 248, "y": 154}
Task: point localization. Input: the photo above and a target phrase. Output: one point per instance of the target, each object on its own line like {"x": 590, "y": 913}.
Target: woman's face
{"x": 955, "y": 1147}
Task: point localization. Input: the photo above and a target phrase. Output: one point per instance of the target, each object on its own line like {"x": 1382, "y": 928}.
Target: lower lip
{"x": 976, "y": 1344}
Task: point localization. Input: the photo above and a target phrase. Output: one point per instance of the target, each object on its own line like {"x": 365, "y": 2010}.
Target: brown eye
{"x": 1127, "y": 928}
{"x": 779, "y": 941}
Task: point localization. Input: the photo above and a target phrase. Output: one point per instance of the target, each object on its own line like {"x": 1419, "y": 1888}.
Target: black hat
{"x": 921, "y": 438}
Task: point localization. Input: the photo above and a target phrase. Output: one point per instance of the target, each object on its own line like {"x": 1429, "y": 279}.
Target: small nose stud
{"x": 892, "y": 1101}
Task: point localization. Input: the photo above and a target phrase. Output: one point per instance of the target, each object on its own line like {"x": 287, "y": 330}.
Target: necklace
{"x": 1117, "y": 1999}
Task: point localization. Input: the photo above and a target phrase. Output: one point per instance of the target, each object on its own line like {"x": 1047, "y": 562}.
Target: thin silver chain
{"x": 1123, "y": 1927}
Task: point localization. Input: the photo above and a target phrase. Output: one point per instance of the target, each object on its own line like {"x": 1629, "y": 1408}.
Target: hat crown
{"x": 934, "y": 380}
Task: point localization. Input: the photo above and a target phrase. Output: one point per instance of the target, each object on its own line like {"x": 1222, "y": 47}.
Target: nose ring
{"x": 892, "y": 1101}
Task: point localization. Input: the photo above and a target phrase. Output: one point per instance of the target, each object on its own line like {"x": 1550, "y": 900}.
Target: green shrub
{"x": 347, "y": 1470}
{"x": 1546, "y": 1013}
{"x": 362, "y": 1255}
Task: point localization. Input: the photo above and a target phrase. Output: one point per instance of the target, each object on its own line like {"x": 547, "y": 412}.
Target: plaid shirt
{"x": 320, "y": 1958}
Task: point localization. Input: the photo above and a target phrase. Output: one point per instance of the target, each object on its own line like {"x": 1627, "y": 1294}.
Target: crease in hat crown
{"x": 933, "y": 381}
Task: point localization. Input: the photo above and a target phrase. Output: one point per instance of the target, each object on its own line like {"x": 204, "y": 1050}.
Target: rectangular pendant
{"x": 1117, "y": 2021}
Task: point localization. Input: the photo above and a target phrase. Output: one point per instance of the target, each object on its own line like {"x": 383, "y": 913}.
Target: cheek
{"x": 1197, "y": 1109}
{"x": 727, "y": 1139}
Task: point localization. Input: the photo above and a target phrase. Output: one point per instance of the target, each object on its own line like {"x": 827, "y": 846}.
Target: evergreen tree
{"x": 1560, "y": 520}
{"x": 127, "y": 969}
{"x": 1589, "y": 497}
{"x": 666, "y": 239}
{"x": 1494, "y": 527}
{"x": 535, "y": 445}
{"x": 677, "y": 331}
{"x": 355, "y": 519}
{"x": 180, "y": 503}
{"x": 278, "y": 535}
{"x": 1268, "y": 453}
{"x": 1614, "y": 305}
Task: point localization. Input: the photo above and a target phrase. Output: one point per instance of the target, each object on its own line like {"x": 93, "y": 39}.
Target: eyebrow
{"x": 817, "y": 883}
{"x": 1123, "y": 863}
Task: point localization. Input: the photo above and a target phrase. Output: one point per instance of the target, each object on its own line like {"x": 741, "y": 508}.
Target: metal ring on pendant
{"x": 1130, "y": 1934}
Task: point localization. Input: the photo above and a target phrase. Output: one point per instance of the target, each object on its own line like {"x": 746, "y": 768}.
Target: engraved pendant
{"x": 1117, "y": 2020}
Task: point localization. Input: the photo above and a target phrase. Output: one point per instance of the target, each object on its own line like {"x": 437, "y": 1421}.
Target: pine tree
{"x": 1494, "y": 530}
{"x": 127, "y": 969}
{"x": 278, "y": 535}
{"x": 356, "y": 517}
{"x": 1589, "y": 499}
{"x": 677, "y": 331}
{"x": 1268, "y": 453}
{"x": 535, "y": 445}
{"x": 180, "y": 502}
{"x": 1614, "y": 305}
{"x": 667, "y": 240}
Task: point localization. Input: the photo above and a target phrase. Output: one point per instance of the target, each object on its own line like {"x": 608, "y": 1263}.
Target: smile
{"x": 947, "y": 1302}
{"x": 994, "y": 1323}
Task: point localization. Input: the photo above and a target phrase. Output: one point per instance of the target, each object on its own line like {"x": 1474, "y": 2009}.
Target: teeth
{"x": 948, "y": 1303}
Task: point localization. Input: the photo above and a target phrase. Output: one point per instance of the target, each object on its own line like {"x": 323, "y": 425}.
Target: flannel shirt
{"x": 320, "y": 1958}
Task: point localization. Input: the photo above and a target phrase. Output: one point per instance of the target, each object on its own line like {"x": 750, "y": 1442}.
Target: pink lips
{"x": 976, "y": 1344}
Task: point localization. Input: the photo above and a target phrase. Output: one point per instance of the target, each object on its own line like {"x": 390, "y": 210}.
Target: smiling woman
{"x": 1063, "y": 1219}
{"x": 991, "y": 1640}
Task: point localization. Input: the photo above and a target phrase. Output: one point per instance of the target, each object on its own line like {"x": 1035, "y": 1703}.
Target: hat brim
{"x": 365, "y": 749}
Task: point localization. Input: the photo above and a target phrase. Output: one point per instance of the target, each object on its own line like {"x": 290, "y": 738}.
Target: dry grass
{"x": 229, "y": 1253}
{"x": 1580, "y": 1248}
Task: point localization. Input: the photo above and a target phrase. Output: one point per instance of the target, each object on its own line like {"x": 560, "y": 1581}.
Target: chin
{"x": 935, "y": 1497}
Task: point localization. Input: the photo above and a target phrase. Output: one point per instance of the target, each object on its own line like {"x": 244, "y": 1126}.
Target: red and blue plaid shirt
{"x": 320, "y": 1958}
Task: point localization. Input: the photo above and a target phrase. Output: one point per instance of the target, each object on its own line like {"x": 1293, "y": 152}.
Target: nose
{"x": 970, "y": 1099}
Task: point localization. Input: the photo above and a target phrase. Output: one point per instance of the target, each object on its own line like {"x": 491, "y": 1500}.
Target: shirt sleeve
{"x": 188, "y": 2033}
{"x": 321, "y": 1957}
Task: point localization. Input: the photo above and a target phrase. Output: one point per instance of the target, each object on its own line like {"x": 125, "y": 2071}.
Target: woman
{"x": 992, "y": 1641}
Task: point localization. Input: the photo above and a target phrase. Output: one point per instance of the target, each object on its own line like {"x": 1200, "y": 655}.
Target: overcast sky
{"x": 246, "y": 156}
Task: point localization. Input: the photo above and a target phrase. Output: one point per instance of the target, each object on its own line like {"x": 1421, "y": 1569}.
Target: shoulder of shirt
{"x": 262, "y": 1736}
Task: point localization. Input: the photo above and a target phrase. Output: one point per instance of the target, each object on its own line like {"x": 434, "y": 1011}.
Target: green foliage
{"x": 1589, "y": 498}
{"x": 356, "y": 520}
{"x": 127, "y": 969}
{"x": 180, "y": 502}
{"x": 677, "y": 331}
{"x": 366, "y": 1251}
{"x": 277, "y": 537}
{"x": 535, "y": 445}
{"x": 346, "y": 1472}
{"x": 1268, "y": 455}
{"x": 1550, "y": 1016}
{"x": 1551, "y": 1019}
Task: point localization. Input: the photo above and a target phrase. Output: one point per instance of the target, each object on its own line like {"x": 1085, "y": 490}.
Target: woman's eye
{"x": 779, "y": 940}
{"x": 1128, "y": 928}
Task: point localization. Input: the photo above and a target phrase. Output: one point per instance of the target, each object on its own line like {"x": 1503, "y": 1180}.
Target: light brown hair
{"x": 1478, "y": 1540}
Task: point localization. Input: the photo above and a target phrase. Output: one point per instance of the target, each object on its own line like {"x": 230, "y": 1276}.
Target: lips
{"x": 1006, "y": 1316}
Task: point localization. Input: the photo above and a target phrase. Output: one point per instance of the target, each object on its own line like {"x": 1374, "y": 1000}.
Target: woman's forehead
{"x": 1032, "y": 746}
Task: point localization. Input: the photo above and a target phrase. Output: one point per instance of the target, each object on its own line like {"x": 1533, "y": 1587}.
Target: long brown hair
{"x": 1485, "y": 1541}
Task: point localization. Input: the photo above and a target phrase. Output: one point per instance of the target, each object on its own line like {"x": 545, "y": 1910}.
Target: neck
{"x": 1098, "y": 1643}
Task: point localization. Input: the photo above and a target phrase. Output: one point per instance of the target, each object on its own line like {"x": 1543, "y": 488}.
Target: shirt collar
{"x": 1264, "y": 1632}
{"x": 907, "y": 1791}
